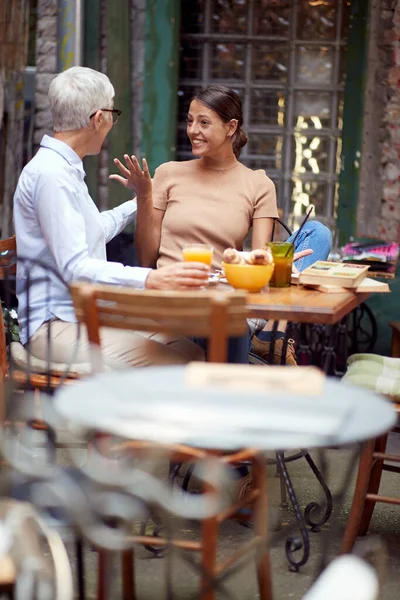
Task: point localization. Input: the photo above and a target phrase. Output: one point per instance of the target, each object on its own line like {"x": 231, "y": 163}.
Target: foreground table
{"x": 160, "y": 405}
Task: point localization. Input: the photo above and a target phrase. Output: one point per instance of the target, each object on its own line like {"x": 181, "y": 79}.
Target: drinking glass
{"x": 198, "y": 253}
{"x": 282, "y": 253}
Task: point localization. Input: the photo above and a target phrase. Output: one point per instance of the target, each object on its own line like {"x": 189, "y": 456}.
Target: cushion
{"x": 378, "y": 373}
{"x": 20, "y": 356}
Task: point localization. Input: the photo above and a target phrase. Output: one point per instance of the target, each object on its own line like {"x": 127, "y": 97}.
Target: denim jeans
{"x": 238, "y": 348}
{"x": 316, "y": 236}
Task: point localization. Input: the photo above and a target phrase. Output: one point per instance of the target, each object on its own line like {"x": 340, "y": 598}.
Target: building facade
{"x": 318, "y": 81}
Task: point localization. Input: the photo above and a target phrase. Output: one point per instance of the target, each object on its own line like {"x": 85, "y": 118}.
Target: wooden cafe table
{"x": 304, "y": 305}
{"x": 298, "y": 305}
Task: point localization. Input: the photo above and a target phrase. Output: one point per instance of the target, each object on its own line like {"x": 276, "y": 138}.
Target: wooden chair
{"x": 211, "y": 315}
{"x": 371, "y": 466}
{"x": 210, "y": 569}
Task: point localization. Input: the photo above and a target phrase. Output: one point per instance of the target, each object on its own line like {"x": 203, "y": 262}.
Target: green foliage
{"x": 10, "y": 318}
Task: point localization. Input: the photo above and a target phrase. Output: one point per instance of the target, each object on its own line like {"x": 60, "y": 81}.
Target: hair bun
{"x": 239, "y": 140}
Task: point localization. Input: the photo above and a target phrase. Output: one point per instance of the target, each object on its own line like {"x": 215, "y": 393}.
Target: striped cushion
{"x": 378, "y": 373}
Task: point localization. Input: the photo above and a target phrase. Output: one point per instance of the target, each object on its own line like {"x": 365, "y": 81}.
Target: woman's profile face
{"x": 207, "y": 132}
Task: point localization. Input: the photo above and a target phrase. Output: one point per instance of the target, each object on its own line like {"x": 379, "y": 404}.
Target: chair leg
{"x": 261, "y": 528}
{"x": 104, "y": 575}
{"x": 128, "y": 575}
{"x": 363, "y": 477}
{"x": 374, "y": 483}
{"x": 208, "y": 558}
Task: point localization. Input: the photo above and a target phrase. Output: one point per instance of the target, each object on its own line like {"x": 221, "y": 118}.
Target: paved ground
{"x": 385, "y": 529}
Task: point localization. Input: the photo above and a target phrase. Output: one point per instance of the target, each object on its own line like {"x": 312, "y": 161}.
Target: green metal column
{"x": 91, "y": 58}
{"x": 118, "y": 28}
{"x": 353, "y": 117}
{"x": 161, "y": 81}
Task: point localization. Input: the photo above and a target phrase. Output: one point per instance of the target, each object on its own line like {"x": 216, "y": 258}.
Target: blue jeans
{"x": 238, "y": 348}
{"x": 315, "y": 236}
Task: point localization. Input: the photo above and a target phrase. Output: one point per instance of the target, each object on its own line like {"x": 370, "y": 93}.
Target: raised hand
{"x": 133, "y": 176}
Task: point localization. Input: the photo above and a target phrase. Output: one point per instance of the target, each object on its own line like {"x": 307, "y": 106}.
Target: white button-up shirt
{"x": 57, "y": 223}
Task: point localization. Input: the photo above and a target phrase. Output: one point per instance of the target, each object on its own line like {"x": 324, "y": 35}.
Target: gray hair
{"x": 77, "y": 93}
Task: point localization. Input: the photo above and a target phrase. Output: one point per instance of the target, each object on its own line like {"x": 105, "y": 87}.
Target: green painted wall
{"x": 91, "y": 58}
{"x": 356, "y": 75}
{"x": 161, "y": 80}
{"x": 118, "y": 32}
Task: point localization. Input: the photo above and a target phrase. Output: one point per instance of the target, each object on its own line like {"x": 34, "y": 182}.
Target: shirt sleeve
{"x": 161, "y": 186}
{"x": 265, "y": 199}
{"x": 115, "y": 220}
{"x": 63, "y": 228}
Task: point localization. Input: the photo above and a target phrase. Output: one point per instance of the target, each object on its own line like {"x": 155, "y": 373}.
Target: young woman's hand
{"x": 299, "y": 255}
{"x": 179, "y": 276}
{"x": 133, "y": 176}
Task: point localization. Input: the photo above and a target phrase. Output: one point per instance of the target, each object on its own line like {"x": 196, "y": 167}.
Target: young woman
{"x": 213, "y": 200}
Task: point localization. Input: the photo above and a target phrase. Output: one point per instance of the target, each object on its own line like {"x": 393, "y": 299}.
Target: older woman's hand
{"x": 133, "y": 176}
{"x": 179, "y": 276}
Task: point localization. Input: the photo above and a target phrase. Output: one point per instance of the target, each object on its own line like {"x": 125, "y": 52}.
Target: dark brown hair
{"x": 228, "y": 105}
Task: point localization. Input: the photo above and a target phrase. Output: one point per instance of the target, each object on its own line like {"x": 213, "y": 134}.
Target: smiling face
{"x": 209, "y": 135}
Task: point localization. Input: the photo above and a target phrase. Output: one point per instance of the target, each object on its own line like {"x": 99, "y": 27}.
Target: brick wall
{"x": 378, "y": 211}
{"x": 46, "y": 65}
{"x": 389, "y": 222}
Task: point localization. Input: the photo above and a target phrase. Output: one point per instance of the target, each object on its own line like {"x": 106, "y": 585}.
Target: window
{"x": 285, "y": 58}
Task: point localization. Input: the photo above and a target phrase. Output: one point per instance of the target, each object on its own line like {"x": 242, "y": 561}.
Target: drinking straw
{"x": 300, "y": 228}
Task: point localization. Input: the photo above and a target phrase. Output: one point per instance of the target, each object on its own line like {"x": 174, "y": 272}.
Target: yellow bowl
{"x": 248, "y": 277}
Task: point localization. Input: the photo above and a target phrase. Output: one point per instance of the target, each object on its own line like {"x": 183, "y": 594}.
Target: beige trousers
{"x": 119, "y": 348}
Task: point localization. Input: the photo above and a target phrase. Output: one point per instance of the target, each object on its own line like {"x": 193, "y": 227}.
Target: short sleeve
{"x": 265, "y": 199}
{"x": 161, "y": 184}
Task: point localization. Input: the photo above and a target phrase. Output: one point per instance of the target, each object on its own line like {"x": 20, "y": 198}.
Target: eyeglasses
{"x": 115, "y": 113}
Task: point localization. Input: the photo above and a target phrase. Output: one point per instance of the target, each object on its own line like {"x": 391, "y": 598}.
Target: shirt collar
{"x": 65, "y": 151}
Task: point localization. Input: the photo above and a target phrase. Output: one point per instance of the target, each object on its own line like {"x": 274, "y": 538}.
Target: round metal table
{"x": 156, "y": 404}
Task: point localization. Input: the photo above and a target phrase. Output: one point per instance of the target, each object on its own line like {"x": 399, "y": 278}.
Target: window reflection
{"x": 312, "y": 110}
{"x": 192, "y": 15}
{"x": 310, "y": 154}
{"x": 270, "y": 62}
{"x": 228, "y": 61}
{"x": 267, "y": 107}
{"x": 229, "y": 16}
{"x": 316, "y": 19}
{"x": 271, "y": 17}
{"x": 314, "y": 65}
{"x": 270, "y": 147}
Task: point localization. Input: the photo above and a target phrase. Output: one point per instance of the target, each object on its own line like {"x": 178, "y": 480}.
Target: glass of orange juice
{"x": 198, "y": 253}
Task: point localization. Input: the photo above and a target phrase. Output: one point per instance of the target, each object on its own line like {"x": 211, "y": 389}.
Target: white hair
{"x": 77, "y": 93}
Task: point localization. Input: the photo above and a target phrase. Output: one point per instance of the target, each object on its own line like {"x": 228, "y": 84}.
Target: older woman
{"x": 57, "y": 222}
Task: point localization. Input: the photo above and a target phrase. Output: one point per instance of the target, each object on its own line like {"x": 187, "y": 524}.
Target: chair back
{"x": 213, "y": 315}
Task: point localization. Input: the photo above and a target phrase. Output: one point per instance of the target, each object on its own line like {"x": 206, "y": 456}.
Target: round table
{"x": 158, "y": 405}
